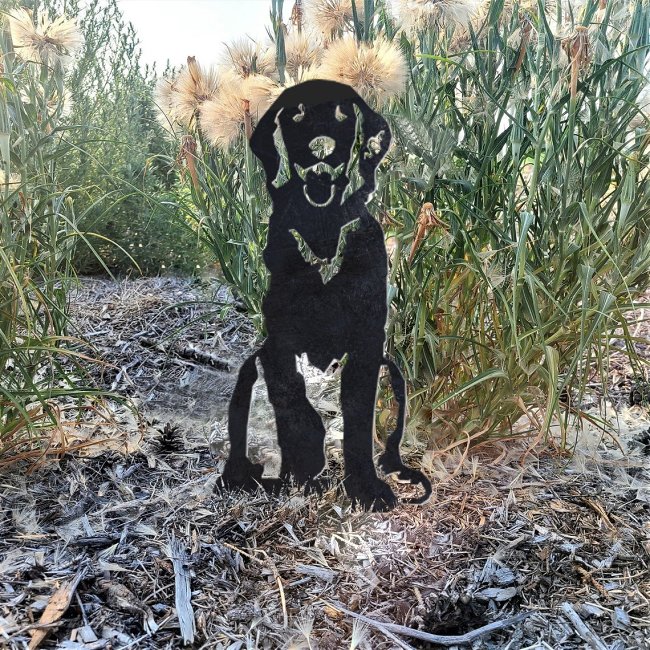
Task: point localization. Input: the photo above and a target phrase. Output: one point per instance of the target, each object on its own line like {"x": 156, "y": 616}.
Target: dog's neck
{"x": 319, "y": 228}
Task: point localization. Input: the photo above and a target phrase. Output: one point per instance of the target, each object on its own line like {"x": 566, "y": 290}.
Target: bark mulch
{"x": 137, "y": 546}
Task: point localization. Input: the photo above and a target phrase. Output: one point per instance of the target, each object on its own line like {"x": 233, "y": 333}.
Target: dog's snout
{"x": 322, "y": 146}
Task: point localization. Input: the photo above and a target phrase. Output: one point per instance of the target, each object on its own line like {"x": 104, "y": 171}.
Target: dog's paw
{"x": 317, "y": 486}
{"x": 304, "y": 470}
{"x": 242, "y": 474}
{"x": 370, "y": 492}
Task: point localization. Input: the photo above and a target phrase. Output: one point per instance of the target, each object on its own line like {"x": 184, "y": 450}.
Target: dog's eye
{"x": 339, "y": 114}
{"x": 299, "y": 117}
{"x": 374, "y": 144}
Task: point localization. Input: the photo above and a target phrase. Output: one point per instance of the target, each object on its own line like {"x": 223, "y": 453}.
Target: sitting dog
{"x": 320, "y": 145}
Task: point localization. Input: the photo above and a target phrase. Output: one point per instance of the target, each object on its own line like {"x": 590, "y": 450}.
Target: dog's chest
{"x": 328, "y": 267}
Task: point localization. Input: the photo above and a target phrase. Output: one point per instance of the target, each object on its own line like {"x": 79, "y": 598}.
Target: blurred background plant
{"x": 114, "y": 166}
{"x": 38, "y": 228}
{"x": 515, "y": 200}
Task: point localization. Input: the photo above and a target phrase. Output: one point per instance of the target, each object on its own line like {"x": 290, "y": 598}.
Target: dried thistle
{"x": 303, "y": 51}
{"x": 187, "y": 155}
{"x": 305, "y": 625}
{"x": 58, "y": 103}
{"x": 420, "y": 15}
{"x": 332, "y": 17}
{"x": 377, "y": 70}
{"x": 165, "y": 98}
{"x": 48, "y": 42}
{"x": 360, "y": 633}
{"x": 525, "y": 8}
{"x": 297, "y": 17}
{"x": 302, "y": 75}
{"x": 244, "y": 57}
{"x": 526, "y": 30}
{"x": 577, "y": 49}
{"x": 427, "y": 220}
{"x": 193, "y": 87}
{"x": 181, "y": 99}
{"x": 224, "y": 118}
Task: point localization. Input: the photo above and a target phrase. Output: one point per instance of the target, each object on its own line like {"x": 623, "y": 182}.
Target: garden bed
{"x": 122, "y": 528}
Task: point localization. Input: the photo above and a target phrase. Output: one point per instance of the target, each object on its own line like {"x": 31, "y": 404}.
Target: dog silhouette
{"x": 320, "y": 145}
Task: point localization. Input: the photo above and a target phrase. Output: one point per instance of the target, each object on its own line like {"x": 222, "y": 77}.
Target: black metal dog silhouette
{"x": 320, "y": 145}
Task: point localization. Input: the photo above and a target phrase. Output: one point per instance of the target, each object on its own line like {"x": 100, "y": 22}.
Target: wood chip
{"x": 583, "y": 630}
{"x": 495, "y": 593}
{"x": 183, "y": 592}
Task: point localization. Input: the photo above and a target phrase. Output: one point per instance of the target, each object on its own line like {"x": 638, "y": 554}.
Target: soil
{"x": 129, "y": 542}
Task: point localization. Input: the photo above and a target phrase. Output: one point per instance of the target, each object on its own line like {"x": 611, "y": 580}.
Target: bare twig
{"x": 440, "y": 639}
{"x": 285, "y": 617}
{"x": 395, "y": 639}
{"x": 186, "y": 351}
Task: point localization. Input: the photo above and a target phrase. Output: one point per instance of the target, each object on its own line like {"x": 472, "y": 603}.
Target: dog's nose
{"x": 322, "y": 146}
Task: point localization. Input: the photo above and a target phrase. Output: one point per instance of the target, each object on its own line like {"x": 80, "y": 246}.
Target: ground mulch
{"x": 133, "y": 544}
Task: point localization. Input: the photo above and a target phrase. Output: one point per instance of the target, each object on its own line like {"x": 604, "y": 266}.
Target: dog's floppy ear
{"x": 263, "y": 143}
{"x": 376, "y": 141}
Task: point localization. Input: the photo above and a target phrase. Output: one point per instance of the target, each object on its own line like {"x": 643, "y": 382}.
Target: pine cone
{"x": 169, "y": 441}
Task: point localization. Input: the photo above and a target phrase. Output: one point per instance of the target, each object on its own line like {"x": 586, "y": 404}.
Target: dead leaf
{"x": 56, "y": 608}
{"x": 121, "y": 598}
{"x": 332, "y": 613}
{"x": 560, "y": 506}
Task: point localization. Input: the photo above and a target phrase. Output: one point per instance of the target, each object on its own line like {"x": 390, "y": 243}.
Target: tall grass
{"x": 230, "y": 210}
{"x": 37, "y": 238}
{"x": 523, "y": 131}
{"x": 545, "y": 195}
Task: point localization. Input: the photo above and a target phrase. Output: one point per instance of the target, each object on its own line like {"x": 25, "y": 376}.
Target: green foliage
{"x": 230, "y": 208}
{"x": 544, "y": 188}
{"x": 157, "y": 241}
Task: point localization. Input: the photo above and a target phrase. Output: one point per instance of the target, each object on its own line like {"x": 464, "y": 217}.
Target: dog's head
{"x": 321, "y": 140}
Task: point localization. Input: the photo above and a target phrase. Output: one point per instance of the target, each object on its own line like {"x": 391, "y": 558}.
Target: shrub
{"x": 545, "y": 199}
{"x": 115, "y": 165}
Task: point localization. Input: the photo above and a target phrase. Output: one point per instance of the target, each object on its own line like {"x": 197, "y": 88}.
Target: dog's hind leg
{"x": 358, "y": 398}
{"x": 301, "y": 433}
{"x": 239, "y": 470}
{"x": 391, "y": 460}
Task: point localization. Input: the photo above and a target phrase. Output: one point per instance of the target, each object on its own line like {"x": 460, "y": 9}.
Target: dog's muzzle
{"x": 319, "y": 182}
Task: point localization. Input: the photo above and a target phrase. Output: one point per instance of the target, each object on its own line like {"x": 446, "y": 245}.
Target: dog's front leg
{"x": 240, "y": 471}
{"x": 301, "y": 433}
{"x": 358, "y": 397}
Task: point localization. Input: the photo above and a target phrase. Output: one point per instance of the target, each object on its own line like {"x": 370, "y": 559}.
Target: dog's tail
{"x": 391, "y": 460}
